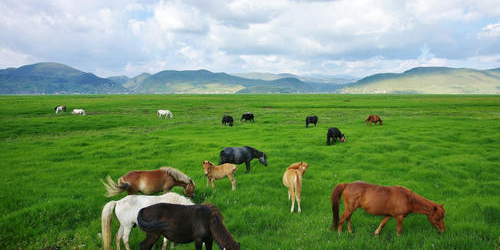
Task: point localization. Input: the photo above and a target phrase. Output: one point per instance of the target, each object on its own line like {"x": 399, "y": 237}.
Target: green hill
{"x": 204, "y": 81}
{"x": 430, "y": 80}
{"x": 54, "y": 78}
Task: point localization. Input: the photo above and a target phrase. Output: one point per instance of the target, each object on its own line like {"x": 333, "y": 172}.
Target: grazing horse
{"x": 150, "y": 182}
{"x": 166, "y": 113}
{"x": 311, "y": 119}
{"x": 373, "y": 119}
{"x": 248, "y": 116}
{"x": 292, "y": 179}
{"x": 334, "y": 133}
{"x": 126, "y": 211}
{"x": 78, "y": 112}
{"x": 213, "y": 172}
{"x": 238, "y": 155}
{"x": 184, "y": 224}
{"x": 227, "y": 119}
{"x": 393, "y": 201}
{"x": 59, "y": 109}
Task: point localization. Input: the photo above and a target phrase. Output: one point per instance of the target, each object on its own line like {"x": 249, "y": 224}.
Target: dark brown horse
{"x": 184, "y": 224}
{"x": 393, "y": 201}
{"x": 150, "y": 182}
{"x": 373, "y": 119}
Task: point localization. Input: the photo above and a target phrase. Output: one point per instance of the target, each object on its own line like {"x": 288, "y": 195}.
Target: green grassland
{"x": 445, "y": 148}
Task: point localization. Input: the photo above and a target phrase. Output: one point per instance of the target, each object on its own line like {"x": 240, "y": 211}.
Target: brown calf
{"x": 213, "y": 172}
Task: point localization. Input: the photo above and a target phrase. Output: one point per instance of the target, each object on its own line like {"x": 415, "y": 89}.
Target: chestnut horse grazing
{"x": 292, "y": 179}
{"x": 373, "y": 119}
{"x": 213, "y": 172}
{"x": 184, "y": 224}
{"x": 126, "y": 211}
{"x": 393, "y": 201}
{"x": 150, "y": 182}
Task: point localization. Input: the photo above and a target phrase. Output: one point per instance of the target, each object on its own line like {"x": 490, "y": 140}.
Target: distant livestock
{"x": 334, "y": 133}
{"x": 292, "y": 179}
{"x": 164, "y": 112}
{"x": 78, "y": 112}
{"x": 311, "y": 119}
{"x": 227, "y": 119}
{"x": 213, "y": 173}
{"x": 373, "y": 119}
{"x": 248, "y": 116}
{"x": 390, "y": 202}
{"x": 60, "y": 108}
{"x": 238, "y": 155}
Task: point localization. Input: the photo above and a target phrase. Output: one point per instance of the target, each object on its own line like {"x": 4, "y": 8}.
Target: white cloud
{"x": 491, "y": 30}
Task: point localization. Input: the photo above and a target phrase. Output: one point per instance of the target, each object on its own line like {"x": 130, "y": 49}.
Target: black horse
{"x": 311, "y": 119}
{"x": 227, "y": 119}
{"x": 334, "y": 133}
{"x": 247, "y": 116}
{"x": 238, "y": 155}
{"x": 184, "y": 224}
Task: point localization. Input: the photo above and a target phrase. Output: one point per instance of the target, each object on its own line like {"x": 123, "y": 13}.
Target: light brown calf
{"x": 213, "y": 172}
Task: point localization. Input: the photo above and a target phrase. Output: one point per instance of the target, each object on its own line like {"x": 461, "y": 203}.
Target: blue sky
{"x": 342, "y": 37}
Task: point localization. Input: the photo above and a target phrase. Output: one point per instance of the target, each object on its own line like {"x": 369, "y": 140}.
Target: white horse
{"x": 165, "y": 113}
{"x": 78, "y": 112}
{"x": 126, "y": 211}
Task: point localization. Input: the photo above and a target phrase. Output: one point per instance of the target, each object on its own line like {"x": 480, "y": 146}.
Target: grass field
{"x": 445, "y": 148}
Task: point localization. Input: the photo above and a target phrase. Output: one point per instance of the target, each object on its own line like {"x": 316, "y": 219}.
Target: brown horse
{"x": 393, "y": 201}
{"x": 150, "y": 182}
{"x": 292, "y": 179}
{"x": 373, "y": 119}
{"x": 213, "y": 172}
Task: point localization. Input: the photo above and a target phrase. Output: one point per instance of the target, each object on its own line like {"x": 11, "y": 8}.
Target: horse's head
{"x": 207, "y": 166}
{"x": 189, "y": 189}
{"x": 232, "y": 246}
{"x": 262, "y": 159}
{"x": 436, "y": 218}
{"x": 342, "y": 138}
{"x": 380, "y": 121}
{"x": 303, "y": 166}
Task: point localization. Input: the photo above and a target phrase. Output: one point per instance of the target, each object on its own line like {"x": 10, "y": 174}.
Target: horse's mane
{"x": 221, "y": 235}
{"x": 415, "y": 198}
{"x": 176, "y": 174}
{"x": 296, "y": 165}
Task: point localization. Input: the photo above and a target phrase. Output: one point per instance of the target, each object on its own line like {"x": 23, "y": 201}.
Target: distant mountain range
{"x": 429, "y": 80}
{"x": 54, "y": 78}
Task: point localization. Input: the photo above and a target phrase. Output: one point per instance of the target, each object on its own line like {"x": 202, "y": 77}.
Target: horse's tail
{"x": 112, "y": 188}
{"x": 336, "y": 194}
{"x": 106, "y": 218}
{"x": 297, "y": 184}
{"x": 217, "y": 228}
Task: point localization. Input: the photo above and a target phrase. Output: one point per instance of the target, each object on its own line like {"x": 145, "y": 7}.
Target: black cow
{"x": 334, "y": 133}
{"x": 227, "y": 119}
{"x": 238, "y": 155}
{"x": 311, "y": 119}
{"x": 247, "y": 116}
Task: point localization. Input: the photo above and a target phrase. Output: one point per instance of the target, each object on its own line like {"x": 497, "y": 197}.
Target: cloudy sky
{"x": 305, "y": 37}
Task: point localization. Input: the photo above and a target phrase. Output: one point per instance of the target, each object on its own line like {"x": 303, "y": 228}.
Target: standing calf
{"x": 213, "y": 172}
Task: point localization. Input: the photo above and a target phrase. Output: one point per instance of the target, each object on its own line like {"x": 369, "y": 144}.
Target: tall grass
{"x": 444, "y": 148}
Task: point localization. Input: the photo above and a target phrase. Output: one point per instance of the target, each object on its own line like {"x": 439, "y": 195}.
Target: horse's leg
{"x": 199, "y": 244}
{"x": 213, "y": 183}
{"x": 382, "y": 224}
{"x": 290, "y": 190}
{"x": 399, "y": 220}
{"x": 247, "y": 164}
{"x": 119, "y": 236}
{"x": 164, "y": 246}
{"x": 150, "y": 240}
{"x": 346, "y": 215}
{"x": 126, "y": 234}
{"x": 233, "y": 181}
{"x": 208, "y": 181}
